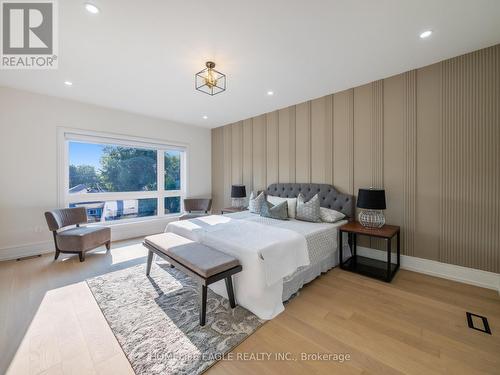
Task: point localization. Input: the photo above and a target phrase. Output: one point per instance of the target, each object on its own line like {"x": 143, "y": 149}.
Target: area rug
{"x": 156, "y": 320}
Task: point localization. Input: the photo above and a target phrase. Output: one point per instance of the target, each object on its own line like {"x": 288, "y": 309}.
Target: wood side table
{"x": 229, "y": 210}
{"x": 367, "y": 266}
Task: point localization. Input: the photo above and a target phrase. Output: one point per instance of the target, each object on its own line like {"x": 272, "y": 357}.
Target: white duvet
{"x": 267, "y": 254}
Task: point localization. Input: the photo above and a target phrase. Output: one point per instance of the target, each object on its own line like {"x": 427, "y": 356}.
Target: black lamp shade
{"x": 371, "y": 199}
{"x": 238, "y": 191}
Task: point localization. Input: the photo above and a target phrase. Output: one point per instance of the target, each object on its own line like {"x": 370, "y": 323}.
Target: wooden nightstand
{"x": 229, "y": 210}
{"x": 366, "y": 266}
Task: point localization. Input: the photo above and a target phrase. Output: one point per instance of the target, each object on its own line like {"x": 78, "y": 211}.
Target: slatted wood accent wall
{"x": 430, "y": 136}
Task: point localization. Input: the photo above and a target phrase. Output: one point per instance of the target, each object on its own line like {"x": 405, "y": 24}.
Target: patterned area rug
{"x": 156, "y": 320}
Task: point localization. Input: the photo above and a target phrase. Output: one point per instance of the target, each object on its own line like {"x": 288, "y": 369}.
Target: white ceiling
{"x": 141, "y": 56}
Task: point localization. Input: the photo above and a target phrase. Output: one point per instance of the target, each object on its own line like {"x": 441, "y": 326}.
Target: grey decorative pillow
{"x": 255, "y": 203}
{"x": 330, "y": 216}
{"x": 292, "y": 204}
{"x": 310, "y": 210}
{"x": 279, "y": 211}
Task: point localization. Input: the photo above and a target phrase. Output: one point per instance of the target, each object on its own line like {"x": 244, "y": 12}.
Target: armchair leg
{"x": 54, "y": 234}
{"x": 81, "y": 255}
{"x": 108, "y": 245}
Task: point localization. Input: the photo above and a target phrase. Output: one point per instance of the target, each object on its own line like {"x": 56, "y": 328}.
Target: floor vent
{"x": 470, "y": 321}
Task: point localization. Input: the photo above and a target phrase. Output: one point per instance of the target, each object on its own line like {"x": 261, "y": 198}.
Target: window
{"x": 118, "y": 180}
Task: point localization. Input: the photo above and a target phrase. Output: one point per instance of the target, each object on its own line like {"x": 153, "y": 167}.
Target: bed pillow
{"x": 255, "y": 202}
{"x": 278, "y": 211}
{"x": 310, "y": 210}
{"x": 330, "y": 216}
{"x": 291, "y": 202}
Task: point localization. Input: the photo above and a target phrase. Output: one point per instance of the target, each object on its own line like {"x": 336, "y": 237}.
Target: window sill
{"x": 138, "y": 227}
{"x": 116, "y": 223}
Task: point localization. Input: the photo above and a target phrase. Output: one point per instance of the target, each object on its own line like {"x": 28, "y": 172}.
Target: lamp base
{"x": 371, "y": 218}
{"x": 238, "y": 202}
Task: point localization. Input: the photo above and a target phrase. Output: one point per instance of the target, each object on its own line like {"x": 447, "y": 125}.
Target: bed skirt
{"x": 292, "y": 284}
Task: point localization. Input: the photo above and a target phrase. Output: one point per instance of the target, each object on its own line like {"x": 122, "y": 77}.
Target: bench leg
{"x": 150, "y": 262}
{"x": 81, "y": 255}
{"x": 230, "y": 292}
{"x": 203, "y": 304}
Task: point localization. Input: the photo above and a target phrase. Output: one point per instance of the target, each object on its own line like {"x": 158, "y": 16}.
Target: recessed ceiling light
{"x": 68, "y": 83}
{"x": 270, "y": 93}
{"x": 205, "y": 117}
{"x": 426, "y": 34}
{"x": 91, "y": 8}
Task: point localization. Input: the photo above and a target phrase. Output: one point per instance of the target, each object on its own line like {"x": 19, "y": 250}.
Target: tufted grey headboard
{"x": 329, "y": 196}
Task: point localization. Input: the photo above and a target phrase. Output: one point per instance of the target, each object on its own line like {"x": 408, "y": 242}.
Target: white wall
{"x": 28, "y": 159}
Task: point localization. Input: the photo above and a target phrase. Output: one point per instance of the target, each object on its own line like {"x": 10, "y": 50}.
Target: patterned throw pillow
{"x": 275, "y": 212}
{"x": 255, "y": 203}
{"x": 310, "y": 210}
{"x": 330, "y": 216}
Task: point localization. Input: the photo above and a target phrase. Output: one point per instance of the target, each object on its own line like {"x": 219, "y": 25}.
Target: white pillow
{"x": 292, "y": 204}
{"x": 330, "y": 216}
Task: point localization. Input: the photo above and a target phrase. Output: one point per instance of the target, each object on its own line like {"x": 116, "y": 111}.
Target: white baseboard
{"x": 118, "y": 232}
{"x": 461, "y": 274}
{"x": 22, "y": 251}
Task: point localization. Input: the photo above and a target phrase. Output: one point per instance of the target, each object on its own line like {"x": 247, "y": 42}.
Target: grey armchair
{"x": 75, "y": 240}
{"x": 196, "y": 207}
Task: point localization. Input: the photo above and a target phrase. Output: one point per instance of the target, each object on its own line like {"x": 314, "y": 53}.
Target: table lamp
{"x": 238, "y": 195}
{"x": 372, "y": 202}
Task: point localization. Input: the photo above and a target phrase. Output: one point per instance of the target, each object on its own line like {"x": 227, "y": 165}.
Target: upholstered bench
{"x": 203, "y": 263}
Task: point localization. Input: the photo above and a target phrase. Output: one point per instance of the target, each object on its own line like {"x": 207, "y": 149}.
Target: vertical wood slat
{"x": 286, "y": 144}
{"x": 217, "y": 169}
{"x": 394, "y": 148}
{"x": 428, "y": 174}
{"x": 343, "y": 141}
{"x": 227, "y": 147}
{"x": 237, "y": 153}
{"x": 363, "y": 124}
{"x": 328, "y": 140}
{"x": 321, "y": 138}
{"x": 272, "y": 148}
{"x": 377, "y": 130}
{"x": 363, "y": 167}
{"x": 303, "y": 142}
{"x": 377, "y": 144}
{"x": 248, "y": 155}
{"x": 410, "y": 158}
{"x": 259, "y": 153}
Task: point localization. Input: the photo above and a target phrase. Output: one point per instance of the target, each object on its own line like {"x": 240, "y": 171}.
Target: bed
{"x": 278, "y": 257}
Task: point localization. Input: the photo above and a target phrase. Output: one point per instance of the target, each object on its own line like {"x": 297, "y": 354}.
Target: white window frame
{"x": 65, "y": 199}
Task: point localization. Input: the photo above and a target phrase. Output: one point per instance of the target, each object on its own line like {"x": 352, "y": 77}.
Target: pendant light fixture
{"x": 210, "y": 81}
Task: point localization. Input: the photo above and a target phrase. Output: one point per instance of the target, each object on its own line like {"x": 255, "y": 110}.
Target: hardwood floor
{"x": 51, "y": 324}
